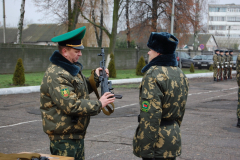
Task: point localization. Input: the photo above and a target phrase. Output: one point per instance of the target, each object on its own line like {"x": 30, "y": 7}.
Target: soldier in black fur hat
{"x": 163, "y": 95}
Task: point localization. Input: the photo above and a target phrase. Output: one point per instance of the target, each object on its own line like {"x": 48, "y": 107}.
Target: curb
{"x": 30, "y": 89}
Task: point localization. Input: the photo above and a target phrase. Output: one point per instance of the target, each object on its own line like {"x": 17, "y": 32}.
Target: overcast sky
{"x": 12, "y": 12}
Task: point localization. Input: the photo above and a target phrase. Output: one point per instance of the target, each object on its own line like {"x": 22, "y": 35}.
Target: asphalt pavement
{"x": 208, "y": 130}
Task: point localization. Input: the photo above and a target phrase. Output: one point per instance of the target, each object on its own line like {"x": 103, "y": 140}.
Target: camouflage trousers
{"x": 226, "y": 72}
{"x": 68, "y": 147}
{"x": 215, "y": 69}
{"x": 221, "y": 72}
{"x": 238, "y": 108}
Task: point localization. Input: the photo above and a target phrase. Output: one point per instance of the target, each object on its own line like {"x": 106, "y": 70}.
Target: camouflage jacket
{"x": 219, "y": 59}
{"x": 215, "y": 60}
{"x": 226, "y": 61}
{"x": 162, "y": 96}
{"x": 222, "y": 60}
{"x": 65, "y": 97}
{"x": 230, "y": 59}
{"x": 238, "y": 69}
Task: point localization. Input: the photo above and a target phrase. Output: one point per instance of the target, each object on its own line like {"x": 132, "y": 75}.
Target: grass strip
{"x": 35, "y": 79}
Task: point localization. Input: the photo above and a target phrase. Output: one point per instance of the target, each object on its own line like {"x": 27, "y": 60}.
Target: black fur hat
{"x": 162, "y": 42}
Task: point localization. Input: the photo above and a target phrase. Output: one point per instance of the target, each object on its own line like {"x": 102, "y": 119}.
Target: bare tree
{"x": 67, "y": 11}
{"x": 20, "y": 23}
{"x": 94, "y": 8}
{"x": 128, "y": 24}
{"x": 115, "y": 17}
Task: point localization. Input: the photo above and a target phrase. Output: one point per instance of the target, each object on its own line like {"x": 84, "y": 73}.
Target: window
{"x": 233, "y": 19}
{"x": 214, "y": 27}
{"x": 212, "y": 18}
{"x": 218, "y": 9}
{"x": 233, "y": 9}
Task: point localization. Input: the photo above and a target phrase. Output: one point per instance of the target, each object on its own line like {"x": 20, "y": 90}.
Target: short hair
{"x": 61, "y": 47}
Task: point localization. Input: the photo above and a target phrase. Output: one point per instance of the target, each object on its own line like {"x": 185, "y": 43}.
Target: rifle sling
{"x": 94, "y": 87}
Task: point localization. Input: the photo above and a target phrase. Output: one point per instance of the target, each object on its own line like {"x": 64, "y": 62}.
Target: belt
{"x": 164, "y": 122}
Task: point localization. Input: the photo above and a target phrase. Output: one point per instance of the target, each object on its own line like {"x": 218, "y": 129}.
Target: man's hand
{"x": 105, "y": 100}
{"x": 99, "y": 69}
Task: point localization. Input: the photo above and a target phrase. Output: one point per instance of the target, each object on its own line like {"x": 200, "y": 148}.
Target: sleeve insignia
{"x": 145, "y": 106}
{"x": 65, "y": 92}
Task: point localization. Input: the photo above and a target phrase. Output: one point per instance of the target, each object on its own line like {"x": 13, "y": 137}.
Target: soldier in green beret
{"x": 226, "y": 65}
{"x": 238, "y": 82}
{"x": 64, "y": 103}
{"x": 230, "y": 64}
{"x": 221, "y": 63}
{"x": 162, "y": 99}
{"x": 215, "y": 65}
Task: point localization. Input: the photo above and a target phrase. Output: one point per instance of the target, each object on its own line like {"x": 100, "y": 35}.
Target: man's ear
{"x": 64, "y": 52}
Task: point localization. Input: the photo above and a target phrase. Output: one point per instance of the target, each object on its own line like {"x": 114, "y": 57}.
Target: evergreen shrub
{"x": 19, "y": 76}
{"x": 192, "y": 68}
{"x": 211, "y": 68}
{"x": 140, "y": 65}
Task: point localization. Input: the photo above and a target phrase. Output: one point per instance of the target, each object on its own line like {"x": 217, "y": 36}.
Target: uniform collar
{"x": 59, "y": 60}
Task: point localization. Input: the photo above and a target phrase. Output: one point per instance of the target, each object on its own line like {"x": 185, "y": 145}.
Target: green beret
{"x": 71, "y": 39}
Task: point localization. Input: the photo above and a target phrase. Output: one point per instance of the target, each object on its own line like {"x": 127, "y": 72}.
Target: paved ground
{"x": 208, "y": 128}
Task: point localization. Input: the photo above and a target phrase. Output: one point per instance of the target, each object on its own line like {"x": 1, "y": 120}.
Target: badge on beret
{"x": 65, "y": 92}
{"x": 145, "y": 106}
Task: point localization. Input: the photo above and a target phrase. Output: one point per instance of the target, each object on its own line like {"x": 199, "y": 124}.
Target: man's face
{"x": 152, "y": 54}
{"x": 231, "y": 53}
{"x": 217, "y": 52}
{"x": 227, "y": 53}
{"x": 221, "y": 53}
{"x": 72, "y": 54}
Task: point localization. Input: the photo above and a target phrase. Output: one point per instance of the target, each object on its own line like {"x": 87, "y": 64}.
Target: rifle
{"x": 218, "y": 70}
{"x": 230, "y": 70}
{"x": 106, "y": 86}
{"x": 222, "y": 72}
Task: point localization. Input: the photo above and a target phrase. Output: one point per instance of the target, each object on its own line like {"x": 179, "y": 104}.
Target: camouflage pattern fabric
{"x": 65, "y": 98}
{"x": 162, "y": 97}
{"x": 226, "y": 65}
{"x": 230, "y": 63}
{"x": 215, "y": 64}
{"x": 68, "y": 148}
{"x": 238, "y": 82}
{"x": 222, "y": 58}
{"x": 219, "y": 63}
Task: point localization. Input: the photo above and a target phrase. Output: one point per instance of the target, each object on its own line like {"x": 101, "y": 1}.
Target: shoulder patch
{"x": 145, "y": 106}
{"x": 65, "y": 92}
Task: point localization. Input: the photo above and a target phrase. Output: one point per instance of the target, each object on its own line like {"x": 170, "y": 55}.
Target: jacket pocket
{"x": 79, "y": 87}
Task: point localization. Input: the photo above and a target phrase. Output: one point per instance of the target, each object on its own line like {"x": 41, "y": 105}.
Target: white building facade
{"x": 224, "y": 20}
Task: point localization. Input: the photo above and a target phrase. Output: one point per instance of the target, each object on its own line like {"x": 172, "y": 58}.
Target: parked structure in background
{"x": 224, "y": 24}
{"x": 41, "y": 34}
{"x": 207, "y": 41}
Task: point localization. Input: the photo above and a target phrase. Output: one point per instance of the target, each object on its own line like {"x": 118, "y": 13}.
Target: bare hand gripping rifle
{"x": 106, "y": 86}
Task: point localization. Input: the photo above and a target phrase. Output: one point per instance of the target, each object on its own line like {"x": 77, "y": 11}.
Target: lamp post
{"x": 229, "y": 27}
{"x": 137, "y": 54}
{"x": 4, "y": 23}
{"x": 172, "y": 18}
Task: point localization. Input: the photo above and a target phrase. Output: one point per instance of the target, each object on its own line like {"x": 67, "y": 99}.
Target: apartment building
{"x": 224, "y": 20}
